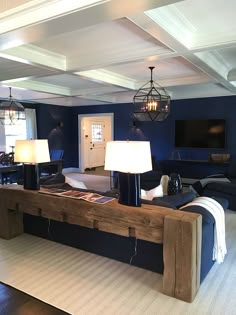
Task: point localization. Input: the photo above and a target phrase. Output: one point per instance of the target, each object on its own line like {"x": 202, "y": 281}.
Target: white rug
{"x": 86, "y": 284}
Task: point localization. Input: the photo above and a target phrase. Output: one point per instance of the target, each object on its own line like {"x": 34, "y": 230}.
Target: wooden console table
{"x": 180, "y": 232}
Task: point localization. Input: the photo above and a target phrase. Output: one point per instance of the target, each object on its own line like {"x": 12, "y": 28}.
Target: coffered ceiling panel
{"x": 98, "y": 52}
{"x": 70, "y": 81}
{"x": 170, "y": 68}
{"x": 121, "y": 35}
{"x": 15, "y": 69}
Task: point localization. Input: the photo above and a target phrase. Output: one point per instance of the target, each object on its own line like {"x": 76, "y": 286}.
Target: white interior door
{"x": 95, "y": 132}
{"x": 97, "y": 143}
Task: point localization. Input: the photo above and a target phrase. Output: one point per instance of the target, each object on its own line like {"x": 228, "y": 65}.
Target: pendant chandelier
{"x": 11, "y": 111}
{"x": 151, "y": 102}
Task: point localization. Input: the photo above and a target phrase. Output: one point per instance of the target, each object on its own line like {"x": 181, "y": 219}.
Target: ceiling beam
{"x": 36, "y": 56}
{"x": 232, "y": 75}
{"x": 101, "y": 11}
{"x": 208, "y": 67}
{"x": 108, "y": 77}
{"x": 42, "y": 87}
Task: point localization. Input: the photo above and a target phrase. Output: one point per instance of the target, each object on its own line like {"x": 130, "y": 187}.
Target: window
{"x": 13, "y": 133}
{"x": 23, "y": 129}
{"x": 97, "y": 133}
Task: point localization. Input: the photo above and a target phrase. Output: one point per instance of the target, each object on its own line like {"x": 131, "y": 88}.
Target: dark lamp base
{"x": 129, "y": 189}
{"x": 31, "y": 177}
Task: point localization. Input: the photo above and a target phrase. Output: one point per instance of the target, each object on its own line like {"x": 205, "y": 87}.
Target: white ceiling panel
{"x": 165, "y": 69}
{"x": 205, "y": 15}
{"x": 120, "y": 35}
{"x": 11, "y": 69}
{"x": 71, "y": 81}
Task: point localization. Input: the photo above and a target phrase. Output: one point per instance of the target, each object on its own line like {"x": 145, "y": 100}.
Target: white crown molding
{"x": 108, "y": 77}
{"x": 215, "y": 61}
{"x": 96, "y": 91}
{"x": 174, "y": 22}
{"x": 42, "y": 87}
{"x": 214, "y": 40}
{"x": 22, "y": 8}
{"x": 232, "y": 76}
{"x": 37, "y": 56}
{"x": 40, "y": 10}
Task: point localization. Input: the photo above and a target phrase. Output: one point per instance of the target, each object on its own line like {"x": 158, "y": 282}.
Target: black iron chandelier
{"x": 151, "y": 102}
{"x": 11, "y": 111}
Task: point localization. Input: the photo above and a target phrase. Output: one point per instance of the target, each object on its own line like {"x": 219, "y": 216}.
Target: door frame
{"x": 80, "y": 132}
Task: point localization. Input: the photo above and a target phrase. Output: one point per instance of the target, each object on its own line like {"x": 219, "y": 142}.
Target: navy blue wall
{"x": 160, "y": 134}
{"x": 54, "y": 124}
{"x": 122, "y": 121}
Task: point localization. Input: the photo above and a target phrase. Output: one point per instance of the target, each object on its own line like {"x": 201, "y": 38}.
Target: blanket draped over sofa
{"x": 211, "y": 205}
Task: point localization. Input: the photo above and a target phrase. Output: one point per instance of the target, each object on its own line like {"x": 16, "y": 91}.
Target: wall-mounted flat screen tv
{"x": 208, "y": 133}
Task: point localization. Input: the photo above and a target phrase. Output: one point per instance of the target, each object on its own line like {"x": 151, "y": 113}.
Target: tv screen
{"x": 200, "y": 133}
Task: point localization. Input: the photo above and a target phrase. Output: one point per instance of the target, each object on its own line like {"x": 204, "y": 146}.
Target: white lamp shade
{"x": 31, "y": 151}
{"x": 128, "y": 156}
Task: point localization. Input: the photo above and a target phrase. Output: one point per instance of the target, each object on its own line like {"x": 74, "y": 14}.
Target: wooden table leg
{"x": 182, "y": 257}
{"x": 11, "y": 221}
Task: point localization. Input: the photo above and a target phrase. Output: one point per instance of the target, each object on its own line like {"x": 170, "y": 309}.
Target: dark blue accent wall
{"x": 160, "y": 134}
{"x": 122, "y": 121}
{"x": 54, "y": 124}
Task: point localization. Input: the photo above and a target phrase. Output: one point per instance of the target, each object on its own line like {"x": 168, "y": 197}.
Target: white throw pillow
{"x": 150, "y": 194}
{"x": 164, "y": 183}
{"x": 75, "y": 183}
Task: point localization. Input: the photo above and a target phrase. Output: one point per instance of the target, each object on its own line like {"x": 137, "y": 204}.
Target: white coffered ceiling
{"x": 85, "y": 52}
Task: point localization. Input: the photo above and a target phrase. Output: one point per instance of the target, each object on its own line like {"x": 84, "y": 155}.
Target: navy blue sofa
{"x": 221, "y": 190}
{"x": 149, "y": 255}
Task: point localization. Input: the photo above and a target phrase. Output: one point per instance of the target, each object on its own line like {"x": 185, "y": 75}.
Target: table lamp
{"x": 30, "y": 153}
{"x": 130, "y": 159}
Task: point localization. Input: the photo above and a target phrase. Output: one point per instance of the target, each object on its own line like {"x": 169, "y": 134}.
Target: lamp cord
{"x": 135, "y": 251}
{"x": 49, "y": 233}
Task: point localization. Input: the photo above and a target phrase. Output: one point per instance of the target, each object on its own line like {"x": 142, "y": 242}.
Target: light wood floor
{"x": 86, "y": 284}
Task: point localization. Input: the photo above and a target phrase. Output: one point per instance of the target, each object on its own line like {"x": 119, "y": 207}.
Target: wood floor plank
{"x": 14, "y": 302}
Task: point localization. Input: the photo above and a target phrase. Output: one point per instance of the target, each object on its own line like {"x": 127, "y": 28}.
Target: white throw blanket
{"x": 211, "y": 205}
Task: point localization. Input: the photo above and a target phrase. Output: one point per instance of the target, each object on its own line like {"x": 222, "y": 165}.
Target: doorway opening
{"x": 94, "y": 130}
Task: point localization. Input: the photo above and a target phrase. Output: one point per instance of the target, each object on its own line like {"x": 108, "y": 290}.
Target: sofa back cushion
{"x": 178, "y": 200}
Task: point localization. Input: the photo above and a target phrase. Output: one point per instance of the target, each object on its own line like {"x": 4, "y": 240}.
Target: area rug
{"x": 82, "y": 283}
